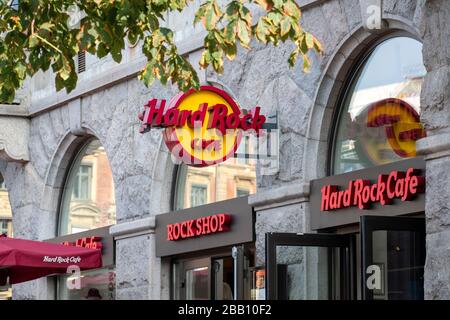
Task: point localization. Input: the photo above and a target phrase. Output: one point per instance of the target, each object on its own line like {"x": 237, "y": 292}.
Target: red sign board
{"x": 198, "y": 227}
{"x": 361, "y": 192}
{"x": 87, "y": 242}
{"x": 201, "y": 127}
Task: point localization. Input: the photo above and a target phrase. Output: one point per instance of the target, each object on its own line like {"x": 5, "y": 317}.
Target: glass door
{"x": 309, "y": 266}
{"x": 221, "y": 276}
{"x": 393, "y": 258}
{"x": 195, "y": 284}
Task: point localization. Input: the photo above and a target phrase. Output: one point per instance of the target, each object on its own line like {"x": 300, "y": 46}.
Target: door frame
{"x": 341, "y": 241}
{"x": 207, "y": 255}
{"x": 369, "y": 224}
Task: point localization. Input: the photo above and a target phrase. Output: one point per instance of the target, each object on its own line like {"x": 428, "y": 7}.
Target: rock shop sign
{"x": 198, "y": 227}
{"x": 203, "y": 127}
{"x": 215, "y": 225}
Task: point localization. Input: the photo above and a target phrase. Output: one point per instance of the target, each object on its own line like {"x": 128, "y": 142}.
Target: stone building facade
{"x": 40, "y": 137}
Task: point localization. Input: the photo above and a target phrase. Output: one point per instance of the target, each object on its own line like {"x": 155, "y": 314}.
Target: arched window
{"x": 88, "y": 199}
{"x": 197, "y": 186}
{"x": 379, "y": 120}
{"x": 5, "y": 210}
{"x": 88, "y": 202}
{"x": 5, "y": 229}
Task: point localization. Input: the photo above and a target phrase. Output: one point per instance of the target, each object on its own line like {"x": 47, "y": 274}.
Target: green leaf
{"x": 102, "y": 50}
{"x": 205, "y": 59}
{"x": 306, "y": 63}
{"x": 211, "y": 17}
{"x": 265, "y": 4}
{"x": 66, "y": 68}
{"x": 39, "y": 36}
{"x": 34, "y": 41}
{"x": 117, "y": 55}
{"x": 47, "y": 26}
{"x": 278, "y": 3}
{"x": 262, "y": 31}
{"x": 20, "y": 69}
{"x": 231, "y": 51}
{"x": 243, "y": 33}
{"x": 291, "y": 9}
{"x": 285, "y": 26}
{"x": 309, "y": 40}
{"x": 147, "y": 75}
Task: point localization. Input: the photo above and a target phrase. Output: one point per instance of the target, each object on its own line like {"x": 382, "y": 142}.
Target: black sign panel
{"x": 345, "y": 216}
{"x": 107, "y": 242}
{"x": 241, "y": 228}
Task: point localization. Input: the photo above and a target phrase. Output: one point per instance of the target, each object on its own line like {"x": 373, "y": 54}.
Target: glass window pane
{"x": 197, "y": 284}
{"x": 380, "y": 120}
{"x": 198, "y": 195}
{"x": 399, "y": 261}
{"x": 242, "y": 192}
{"x": 5, "y": 210}
{"x": 5, "y": 228}
{"x": 96, "y": 284}
{"x": 196, "y": 186}
{"x": 89, "y": 200}
{"x": 303, "y": 273}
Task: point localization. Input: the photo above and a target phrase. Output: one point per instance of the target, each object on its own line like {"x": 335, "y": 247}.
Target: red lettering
{"x": 171, "y": 117}
{"x": 233, "y": 121}
{"x": 184, "y": 115}
{"x": 190, "y": 229}
{"x": 153, "y": 114}
{"x": 373, "y": 193}
{"x": 176, "y": 231}
{"x": 333, "y": 201}
{"x": 198, "y": 225}
{"x": 258, "y": 119}
{"x": 198, "y": 117}
{"x": 217, "y": 120}
{"x": 214, "y": 224}
{"x": 358, "y": 197}
{"x": 348, "y": 195}
{"x": 194, "y": 228}
{"x": 246, "y": 122}
{"x": 366, "y": 195}
{"x": 326, "y": 194}
{"x": 339, "y": 203}
{"x": 205, "y": 222}
{"x": 381, "y": 190}
{"x": 362, "y": 193}
{"x": 183, "y": 230}
{"x": 390, "y": 185}
{"x": 400, "y": 185}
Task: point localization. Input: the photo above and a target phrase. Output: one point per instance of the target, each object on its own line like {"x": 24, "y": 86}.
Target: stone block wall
{"x": 304, "y": 101}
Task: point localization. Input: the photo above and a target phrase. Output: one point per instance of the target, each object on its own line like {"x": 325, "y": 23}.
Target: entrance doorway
{"x": 220, "y": 276}
{"x": 384, "y": 261}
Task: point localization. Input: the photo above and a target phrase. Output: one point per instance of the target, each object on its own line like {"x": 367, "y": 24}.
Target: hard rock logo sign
{"x": 201, "y": 127}
{"x": 401, "y": 122}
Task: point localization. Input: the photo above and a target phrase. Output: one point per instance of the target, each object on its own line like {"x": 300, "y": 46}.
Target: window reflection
{"x": 6, "y": 228}
{"x": 380, "y": 122}
{"x": 5, "y": 210}
{"x": 89, "y": 200}
{"x": 230, "y": 179}
{"x": 96, "y": 284}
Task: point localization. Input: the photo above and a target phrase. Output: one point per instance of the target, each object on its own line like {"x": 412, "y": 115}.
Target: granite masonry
{"x": 38, "y": 138}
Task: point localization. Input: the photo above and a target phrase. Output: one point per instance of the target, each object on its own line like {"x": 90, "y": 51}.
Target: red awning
{"x": 25, "y": 260}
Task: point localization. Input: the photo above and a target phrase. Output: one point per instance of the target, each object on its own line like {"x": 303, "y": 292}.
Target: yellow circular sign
{"x": 207, "y": 129}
